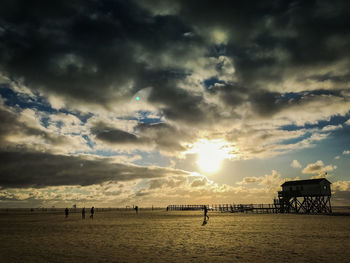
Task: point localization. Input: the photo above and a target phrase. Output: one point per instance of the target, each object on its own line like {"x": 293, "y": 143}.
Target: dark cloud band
{"x": 33, "y": 169}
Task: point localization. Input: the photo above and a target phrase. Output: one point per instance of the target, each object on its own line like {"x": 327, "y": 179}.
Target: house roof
{"x": 309, "y": 181}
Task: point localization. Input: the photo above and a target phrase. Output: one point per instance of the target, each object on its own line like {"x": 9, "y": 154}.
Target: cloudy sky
{"x": 114, "y": 103}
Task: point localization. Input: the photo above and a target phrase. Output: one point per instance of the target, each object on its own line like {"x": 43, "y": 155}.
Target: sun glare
{"x": 211, "y": 154}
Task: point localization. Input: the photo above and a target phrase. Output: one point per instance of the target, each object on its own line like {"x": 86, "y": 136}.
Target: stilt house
{"x": 305, "y": 196}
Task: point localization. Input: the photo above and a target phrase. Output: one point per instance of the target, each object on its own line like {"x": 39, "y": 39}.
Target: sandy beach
{"x": 174, "y": 236}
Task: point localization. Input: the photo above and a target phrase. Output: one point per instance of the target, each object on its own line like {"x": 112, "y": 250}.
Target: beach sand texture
{"x": 174, "y": 236}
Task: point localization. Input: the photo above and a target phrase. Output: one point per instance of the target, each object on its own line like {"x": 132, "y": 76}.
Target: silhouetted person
{"x": 206, "y": 217}
{"x": 92, "y": 211}
{"x": 136, "y": 209}
{"x": 167, "y": 208}
{"x": 66, "y": 212}
{"x": 83, "y": 213}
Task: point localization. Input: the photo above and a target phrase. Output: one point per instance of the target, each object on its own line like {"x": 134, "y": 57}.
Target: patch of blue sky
{"x": 59, "y": 124}
{"x": 341, "y": 137}
{"x": 39, "y": 103}
{"x": 128, "y": 118}
{"x": 142, "y": 184}
{"x": 150, "y": 120}
{"x": 208, "y": 83}
{"x": 144, "y": 117}
{"x": 89, "y": 142}
{"x": 45, "y": 121}
{"x": 24, "y": 101}
{"x": 296, "y": 140}
{"x": 323, "y": 92}
{"x": 334, "y": 120}
{"x": 292, "y": 96}
{"x": 102, "y": 153}
{"x": 83, "y": 117}
{"x": 296, "y": 96}
{"x": 151, "y": 159}
{"x": 327, "y": 149}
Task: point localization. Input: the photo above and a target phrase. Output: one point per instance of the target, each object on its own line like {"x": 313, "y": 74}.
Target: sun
{"x": 211, "y": 153}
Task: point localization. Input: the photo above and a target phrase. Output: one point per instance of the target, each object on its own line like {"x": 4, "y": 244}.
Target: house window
{"x": 325, "y": 187}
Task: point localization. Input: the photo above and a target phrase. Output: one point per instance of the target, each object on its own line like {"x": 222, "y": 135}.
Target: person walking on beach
{"x": 66, "y": 212}
{"x": 206, "y": 217}
{"x": 92, "y": 211}
{"x": 83, "y": 213}
{"x": 137, "y": 209}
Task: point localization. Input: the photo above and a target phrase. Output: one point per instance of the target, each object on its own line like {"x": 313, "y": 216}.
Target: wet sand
{"x": 174, "y": 236}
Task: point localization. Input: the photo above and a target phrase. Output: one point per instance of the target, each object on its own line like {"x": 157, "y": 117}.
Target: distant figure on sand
{"x": 206, "y": 217}
{"x": 92, "y": 211}
{"x": 83, "y": 213}
{"x": 136, "y": 209}
{"x": 66, "y": 212}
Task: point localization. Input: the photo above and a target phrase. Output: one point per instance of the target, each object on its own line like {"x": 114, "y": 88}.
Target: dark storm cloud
{"x": 12, "y": 126}
{"x": 179, "y": 104}
{"x": 338, "y": 78}
{"x": 113, "y": 135}
{"x": 33, "y": 169}
{"x": 272, "y": 40}
{"x": 230, "y": 93}
{"x": 100, "y": 52}
{"x": 268, "y": 41}
{"x": 267, "y": 103}
{"x": 85, "y": 50}
{"x": 163, "y": 136}
{"x": 304, "y": 29}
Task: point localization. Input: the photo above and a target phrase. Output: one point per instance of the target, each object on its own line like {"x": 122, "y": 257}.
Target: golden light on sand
{"x": 211, "y": 153}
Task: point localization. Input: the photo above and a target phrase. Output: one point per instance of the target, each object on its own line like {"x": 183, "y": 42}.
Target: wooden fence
{"x": 231, "y": 208}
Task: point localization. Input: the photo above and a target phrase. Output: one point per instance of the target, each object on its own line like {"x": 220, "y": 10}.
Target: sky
{"x": 115, "y": 103}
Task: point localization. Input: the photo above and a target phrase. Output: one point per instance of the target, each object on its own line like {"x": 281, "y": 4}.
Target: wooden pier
{"x": 185, "y": 207}
{"x": 230, "y": 208}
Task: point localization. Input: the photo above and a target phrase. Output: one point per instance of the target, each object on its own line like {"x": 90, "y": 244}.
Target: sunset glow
{"x": 115, "y": 103}
{"x": 210, "y": 154}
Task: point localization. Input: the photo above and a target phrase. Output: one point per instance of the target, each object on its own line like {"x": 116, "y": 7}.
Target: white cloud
{"x": 341, "y": 186}
{"x": 158, "y": 191}
{"x": 313, "y": 109}
{"x": 271, "y": 181}
{"x": 332, "y": 127}
{"x": 250, "y": 180}
{"x": 268, "y": 181}
{"x": 318, "y": 168}
{"x": 346, "y": 152}
{"x": 295, "y": 164}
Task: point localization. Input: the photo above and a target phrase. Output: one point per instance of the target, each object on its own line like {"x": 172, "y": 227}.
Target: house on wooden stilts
{"x": 311, "y": 196}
